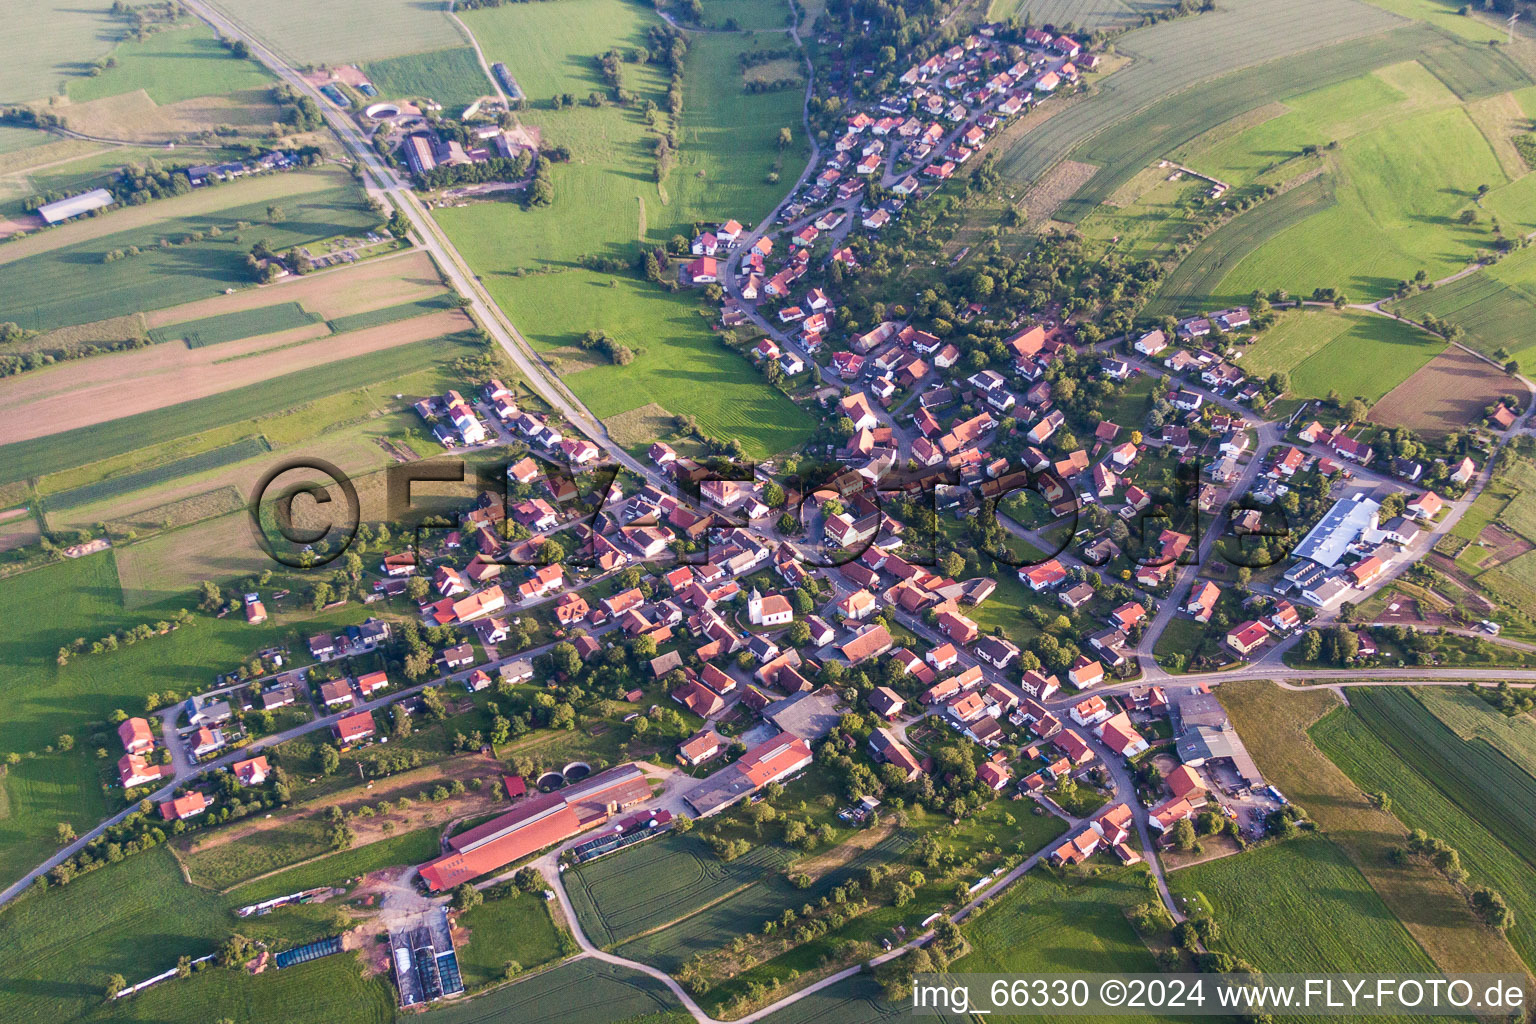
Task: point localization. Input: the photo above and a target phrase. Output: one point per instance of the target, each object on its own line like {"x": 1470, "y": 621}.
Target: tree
{"x": 330, "y": 759}
{"x": 418, "y": 588}
{"x": 65, "y": 833}
{"x": 1184, "y": 835}
{"x": 1490, "y": 905}
{"x": 115, "y": 984}
{"x": 467, "y": 897}
{"x": 786, "y": 137}
{"x": 1355, "y": 410}
{"x": 528, "y": 880}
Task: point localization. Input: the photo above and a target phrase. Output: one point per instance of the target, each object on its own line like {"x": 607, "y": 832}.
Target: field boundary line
{"x": 679, "y": 920}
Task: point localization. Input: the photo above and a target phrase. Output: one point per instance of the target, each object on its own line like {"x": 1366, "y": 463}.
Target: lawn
{"x": 1301, "y": 906}
{"x": 1274, "y": 724}
{"x": 574, "y": 993}
{"x": 1398, "y": 190}
{"x": 248, "y": 323}
{"x": 1495, "y": 306}
{"x": 1372, "y": 357}
{"x": 181, "y": 63}
{"x": 305, "y": 32}
{"x": 510, "y": 928}
{"x": 1375, "y": 768}
{"x": 57, "y": 452}
{"x": 72, "y": 284}
{"x": 450, "y": 77}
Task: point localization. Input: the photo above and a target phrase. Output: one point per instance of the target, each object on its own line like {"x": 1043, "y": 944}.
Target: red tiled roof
{"x": 536, "y": 823}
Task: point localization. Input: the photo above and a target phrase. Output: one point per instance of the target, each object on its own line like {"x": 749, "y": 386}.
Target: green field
{"x": 679, "y": 364}
{"x": 450, "y": 77}
{"x": 1372, "y": 357}
{"x": 135, "y": 919}
{"x": 1495, "y": 306}
{"x": 47, "y": 42}
{"x": 390, "y": 314}
{"x": 660, "y": 881}
{"x": 1398, "y": 188}
{"x": 553, "y": 50}
{"x": 1351, "y": 745}
{"x": 250, "y": 323}
{"x": 1472, "y": 72}
{"x": 48, "y": 608}
{"x": 606, "y": 200}
{"x": 574, "y": 993}
{"x": 1047, "y": 924}
{"x": 749, "y": 15}
{"x": 1471, "y": 718}
{"x": 409, "y": 848}
{"x": 1489, "y": 787}
{"x": 72, "y": 284}
{"x": 1300, "y": 906}
{"x": 177, "y": 64}
{"x": 1086, "y": 15}
{"x": 1445, "y": 14}
{"x": 510, "y": 928}
{"x": 1295, "y": 338}
{"x": 1192, "y": 285}
{"x": 304, "y": 32}
{"x": 855, "y": 1000}
{"x": 216, "y": 458}
{"x": 333, "y": 989}
{"x": 1193, "y": 73}
{"x": 1272, "y": 148}
{"x": 58, "y": 452}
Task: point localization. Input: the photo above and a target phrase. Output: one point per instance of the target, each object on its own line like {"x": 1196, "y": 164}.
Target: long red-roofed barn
{"x": 536, "y": 823}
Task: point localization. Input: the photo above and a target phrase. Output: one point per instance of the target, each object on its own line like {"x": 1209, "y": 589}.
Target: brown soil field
{"x": 195, "y": 203}
{"x": 1447, "y": 393}
{"x": 1059, "y": 184}
{"x": 18, "y": 531}
{"x": 1504, "y": 545}
{"x": 122, "y": 384}
{"x": 1500, "y": 119}
{"x": 385, "y": 281}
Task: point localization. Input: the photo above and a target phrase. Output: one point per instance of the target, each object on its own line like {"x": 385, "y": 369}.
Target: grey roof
{"x": 1340, "y": 526}
{"x": 85, "y": 202}
{"x": 810, "y": 715}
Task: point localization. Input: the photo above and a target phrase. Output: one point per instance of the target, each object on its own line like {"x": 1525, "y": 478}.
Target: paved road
{"x": 540, "y": 376}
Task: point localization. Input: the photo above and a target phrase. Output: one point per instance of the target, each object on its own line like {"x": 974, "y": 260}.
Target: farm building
{"x": 770, "y": 761}
{"x": 535, "y": 824}
{"x": 74, "y": 206}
